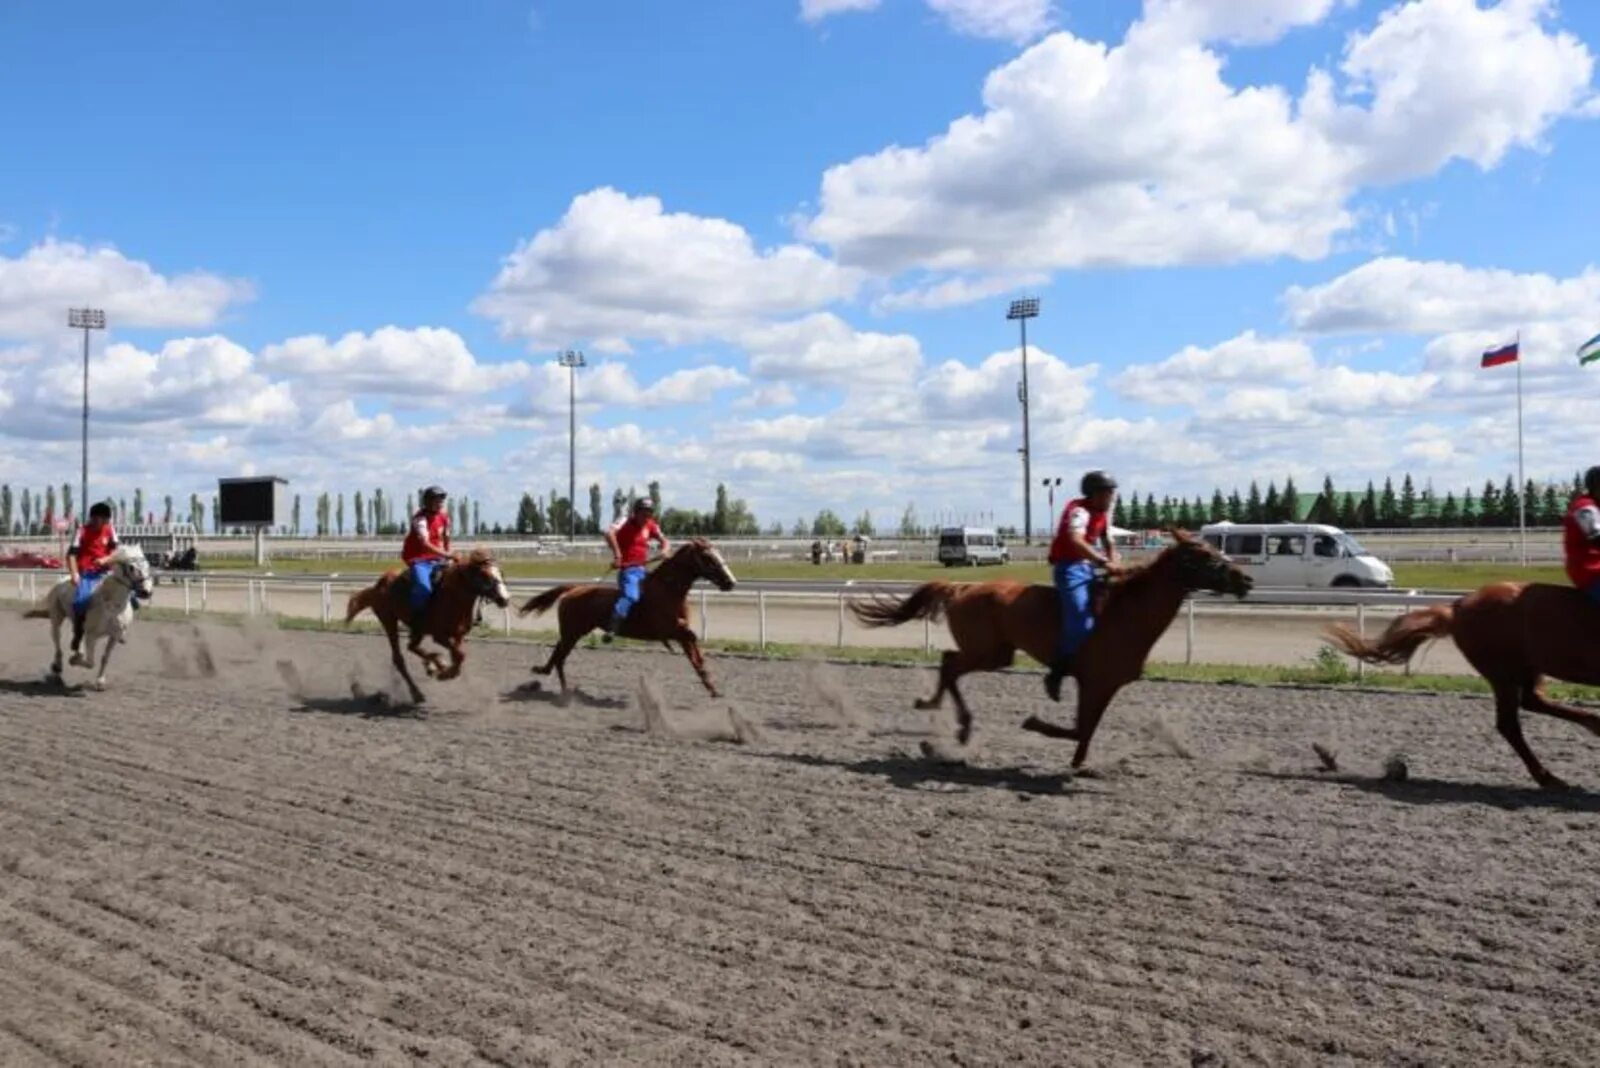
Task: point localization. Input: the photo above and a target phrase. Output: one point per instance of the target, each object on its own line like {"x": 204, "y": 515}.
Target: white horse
{"x": 110, "y": 609}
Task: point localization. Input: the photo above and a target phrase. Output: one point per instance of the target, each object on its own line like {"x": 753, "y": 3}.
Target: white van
{"x": 971, "y": 546}
{"x": 1297, "y": 554}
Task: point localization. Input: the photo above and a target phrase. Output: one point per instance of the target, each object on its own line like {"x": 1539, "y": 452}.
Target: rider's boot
{"x": 1058, "y": 671}
{"x": 77, "y": 632}
{"x": 419, "y": 618}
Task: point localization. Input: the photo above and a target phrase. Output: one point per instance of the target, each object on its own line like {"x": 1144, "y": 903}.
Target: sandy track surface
{"x": 256, "y": 868}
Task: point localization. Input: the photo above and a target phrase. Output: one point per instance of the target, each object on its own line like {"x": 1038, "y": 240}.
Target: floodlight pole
{"x": 86, "y": 319}
{"x": 572, "y": 360}
{"x": 1022, "y": 311}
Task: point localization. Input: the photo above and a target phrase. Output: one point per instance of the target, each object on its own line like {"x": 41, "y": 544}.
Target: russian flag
{"x": 1503, "y": 355}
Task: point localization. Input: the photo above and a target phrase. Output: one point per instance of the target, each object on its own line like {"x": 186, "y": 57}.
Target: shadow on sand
{"x": 1441, "y": 792}
{"x": 918, "y": 772}
{"x": 535, "y": 693}
{"x": 42, "y": 688}
{"x": 371, "y": 706}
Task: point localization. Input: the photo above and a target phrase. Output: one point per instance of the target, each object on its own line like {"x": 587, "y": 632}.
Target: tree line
{"x": 1388, "y": 508}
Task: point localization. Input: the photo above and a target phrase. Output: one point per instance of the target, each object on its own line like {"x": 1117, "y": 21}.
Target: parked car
{"x": 971, "y": 546}
{"x": 1297, "y": 554}
{"x": 25, "y": 559}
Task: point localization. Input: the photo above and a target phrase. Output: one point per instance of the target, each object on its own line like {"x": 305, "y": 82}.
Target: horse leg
{"x": 391, "y": 627}
{"x": 1092, "y": 704}
{"x": 105, "y": 658}
{"x": 1534, "y": 700}
{"x": 963, "y": 713}
{"x": 697, "y": 659}
{"x": 55, "y": 637}
{"x": 457, "y": 658}
{"x": 558, "y": 661}
{"x": 1508, "y": 722}
{"x": 947, "y": 675}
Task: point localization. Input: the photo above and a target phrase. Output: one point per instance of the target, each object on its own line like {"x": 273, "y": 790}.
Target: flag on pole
{"x": 1589, "y": 351}
{"x": 1503, "y": 355}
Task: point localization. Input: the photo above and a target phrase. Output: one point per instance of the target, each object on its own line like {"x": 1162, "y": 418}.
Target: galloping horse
{"x": 661, "y": 615}
{"x": 110, "y": 612}
{"x": 1513, "y": 634}
{"x": 990, "y": 621}
{"x": 449, "y": 615}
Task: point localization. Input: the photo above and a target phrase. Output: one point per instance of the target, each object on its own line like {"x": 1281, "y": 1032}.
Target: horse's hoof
{"x": 1555, "y": 784}
{"x": 79, "y": 660}
{"x": 100, "y": 684}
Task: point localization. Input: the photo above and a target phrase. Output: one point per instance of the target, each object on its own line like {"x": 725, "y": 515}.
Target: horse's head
{"x": 709, "y": 564}
{"x": 1200, "y": 567}
{"x": 483, "y": 575}
{"x": 128, "y": 563}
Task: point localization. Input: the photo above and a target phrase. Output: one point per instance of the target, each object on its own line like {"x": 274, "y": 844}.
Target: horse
{"x": 990, "y": 621}
{"x": 110, "y": 612}
{"x": 662, "y": 613}
{"x": 1513, "y": 634}
{"x": 447, "y": 619}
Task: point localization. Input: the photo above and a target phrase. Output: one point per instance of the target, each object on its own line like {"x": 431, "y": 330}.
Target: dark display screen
{"x": 243, "y": 503}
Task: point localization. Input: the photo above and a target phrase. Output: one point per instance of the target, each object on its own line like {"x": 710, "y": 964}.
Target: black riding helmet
{"x": 433, "y": 493}
{"x": 644, "y": 504}
{"x": 1591, "y": 481}
{"x": 100, "y": 510}
{"x": 1097, "y": 482}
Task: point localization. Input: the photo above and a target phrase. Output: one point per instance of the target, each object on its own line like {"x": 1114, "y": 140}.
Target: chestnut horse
{"x": 1513, "y": 634}
{"x": 449, "y": 615}
{"x": 990, "y": 621}
{"x": 662, "y": 614}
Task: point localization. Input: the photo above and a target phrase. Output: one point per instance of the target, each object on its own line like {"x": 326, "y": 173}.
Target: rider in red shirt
{"x": 87, "y": 563}
{"x": 630, "y": 550}
{"x": 1082, "y": 543}
{"x": 426, "y": 549}
{"x": 1581, "y": 537}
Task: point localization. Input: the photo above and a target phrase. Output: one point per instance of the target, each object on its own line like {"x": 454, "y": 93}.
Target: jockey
{"x": 426, "y": 549}
{"x": 1082, "y": 543}
{"x": 1581, "y": 537}
{"x": 630, "y": 548}
{"x": 86, "y": 563}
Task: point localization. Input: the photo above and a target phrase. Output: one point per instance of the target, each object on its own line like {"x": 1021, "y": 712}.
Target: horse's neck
{"x": 456, "y": 592}
{"x": 1149, "y": 600}
{"x": 114, "y": 593}
{"x": 673, "y": 575}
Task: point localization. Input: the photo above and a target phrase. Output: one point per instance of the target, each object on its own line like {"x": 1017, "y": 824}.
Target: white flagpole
{"x": 1522, "y": 481}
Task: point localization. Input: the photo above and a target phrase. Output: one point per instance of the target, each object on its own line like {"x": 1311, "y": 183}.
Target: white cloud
{"x": 1185, "y": 378}
{"x": 617, "y": 268}
{"x": 426, "y": 362}
{"x": 37, "y": 287}
{"x": 1006, "y": 20}
{"x": 823, "y": 348}
{"x": 817, "y": 10}
{"x": 777, "y": 395}
{"x": 1340, "y": 389}
{"x": 957, "y": 391}
{"x": 951, "y": 292}
{"x": 1141, "y": 154}
{"x": 1394, "y": 295}
{"x": 612, "y": 384}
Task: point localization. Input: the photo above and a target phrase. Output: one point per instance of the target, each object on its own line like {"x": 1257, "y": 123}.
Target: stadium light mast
{"x": 572, "y": 360}
{"x": 85, "y": 319}
{"x": 1022, "y": 311}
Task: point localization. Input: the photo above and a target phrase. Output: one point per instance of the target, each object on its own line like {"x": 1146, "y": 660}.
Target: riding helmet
{"x": 100, "y": 510}
{"x": 434, "y": 493}
{"x": 1097, "y": 482}
{"x": 1591, "y": 480}
{"x": 644, "y": 504}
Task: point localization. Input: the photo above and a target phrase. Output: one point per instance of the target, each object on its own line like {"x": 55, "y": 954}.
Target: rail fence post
{"x": 1188, "y": 646}
{"x": 705, "y": 628}
{"x": 327, "y": 603}
{"x": 202, "y": 596}
{"x": 185, "y": 596}
{"x": 265, "y": 608}
{"x": 761, "y": 617}
{"x": 33, "y": 588}
{"x": 1361, "y": 630}
{"x": 841, "y": 619}
{"x": 507, "y": 611}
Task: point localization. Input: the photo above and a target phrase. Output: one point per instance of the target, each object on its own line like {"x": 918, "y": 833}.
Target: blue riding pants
{"x": 1074, "y": 585}
{"x": 87, "y": 584}
{"x": 423, "y": 572}
{"x": 1593, "y": 592}
{"x": 630, "y": 583}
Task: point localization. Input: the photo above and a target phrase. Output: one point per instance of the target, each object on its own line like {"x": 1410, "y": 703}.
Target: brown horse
{"x": 1513, "y": 634}
{"x": 662, "y": 614}
{"x": 990, "y": 621}
{"x": 448, "y": 618}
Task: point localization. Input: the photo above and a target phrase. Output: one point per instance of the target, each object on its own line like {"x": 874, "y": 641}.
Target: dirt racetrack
{"x": 256, "y": 868}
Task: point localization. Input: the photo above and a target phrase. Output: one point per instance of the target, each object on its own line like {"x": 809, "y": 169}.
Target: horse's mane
{"x": 479, "y": 557}
{"x": 127, "y": 553}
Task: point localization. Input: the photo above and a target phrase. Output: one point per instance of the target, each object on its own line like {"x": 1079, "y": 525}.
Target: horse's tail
{"x": 360, "y": 601}
{"x": 544, "y": 601}
{"x": 1400, "y": 642}
{"x": 927, "y": 601}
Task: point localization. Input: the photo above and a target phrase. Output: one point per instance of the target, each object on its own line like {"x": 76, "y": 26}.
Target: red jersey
{"x": 1087, "y": 523}
{"x": 633, "y": 540}
{"x": 92, "y": 547}
{"x": 426, "y": 527}
{"x": 1579, "y": 534}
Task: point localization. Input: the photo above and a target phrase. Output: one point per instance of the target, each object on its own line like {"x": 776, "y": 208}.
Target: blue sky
{"x": 343, "y": 248}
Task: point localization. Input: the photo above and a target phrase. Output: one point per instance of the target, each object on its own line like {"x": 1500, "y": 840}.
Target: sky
{"x": 1270, "y": 238}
